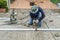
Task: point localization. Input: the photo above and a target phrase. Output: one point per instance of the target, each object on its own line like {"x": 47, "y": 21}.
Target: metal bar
{"x": 8, "y": 3}
{"x": 30, "y": 29}
{"x": 30, "y": 9}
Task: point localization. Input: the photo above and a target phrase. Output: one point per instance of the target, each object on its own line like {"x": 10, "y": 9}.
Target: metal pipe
{"x": 28, "y": 29}
{"x": 8, "y": 3}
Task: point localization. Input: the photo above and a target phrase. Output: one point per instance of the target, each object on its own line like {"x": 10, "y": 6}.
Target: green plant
{"x": 55, "y": 1}
{"x": 3, "y": 4}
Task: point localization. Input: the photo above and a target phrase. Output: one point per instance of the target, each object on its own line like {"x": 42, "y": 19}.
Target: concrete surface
{"x": 55, "y": 17}
{"x": 25, "y": 35}
{"x": 29, "y": 35}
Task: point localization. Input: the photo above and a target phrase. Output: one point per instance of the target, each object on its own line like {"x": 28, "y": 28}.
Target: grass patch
{"x": 55, "y": 1}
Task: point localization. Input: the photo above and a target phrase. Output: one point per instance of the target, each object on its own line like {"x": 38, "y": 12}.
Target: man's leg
{"x": 39, "y": 24}
{"x": 39, "y": 21}
{"x": 30, "y": 22}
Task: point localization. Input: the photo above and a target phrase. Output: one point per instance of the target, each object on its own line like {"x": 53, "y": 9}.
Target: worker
{"x": 36, "y": 13}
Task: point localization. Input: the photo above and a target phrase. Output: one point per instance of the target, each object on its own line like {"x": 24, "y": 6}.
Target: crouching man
{"x": 36, "y": 13}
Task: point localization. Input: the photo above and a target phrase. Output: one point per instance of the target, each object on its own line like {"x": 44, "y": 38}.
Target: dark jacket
{"x": 36, "y": 14}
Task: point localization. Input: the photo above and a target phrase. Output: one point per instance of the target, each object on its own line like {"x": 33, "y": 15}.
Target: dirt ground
{"x": 24, "y": 4}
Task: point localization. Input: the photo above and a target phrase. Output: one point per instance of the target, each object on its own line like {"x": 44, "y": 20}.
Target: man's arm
{"x": 42, "y": 14}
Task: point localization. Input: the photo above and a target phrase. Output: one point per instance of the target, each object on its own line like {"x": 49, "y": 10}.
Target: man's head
{"x": 32, "y": 3}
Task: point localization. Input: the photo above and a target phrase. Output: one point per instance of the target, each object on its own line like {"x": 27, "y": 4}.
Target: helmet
{"x": 34, "y": 8}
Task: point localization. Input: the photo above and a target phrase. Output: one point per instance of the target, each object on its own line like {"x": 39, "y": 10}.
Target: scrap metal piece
{"x": 13, "y": 17}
